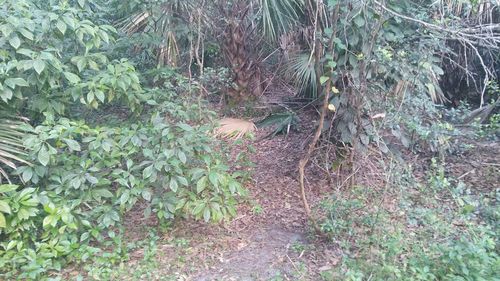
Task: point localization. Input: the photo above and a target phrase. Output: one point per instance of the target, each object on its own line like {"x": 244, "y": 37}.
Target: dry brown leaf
{"x": 234, "y": 128}
{"x": 379, "y": 115}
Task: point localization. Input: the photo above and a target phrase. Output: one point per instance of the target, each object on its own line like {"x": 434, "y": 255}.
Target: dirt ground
{"x": 270, "y": 238}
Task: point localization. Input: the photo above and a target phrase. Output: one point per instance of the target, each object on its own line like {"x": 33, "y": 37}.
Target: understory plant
{"x": 80, "y": 173}
{"x": 436, "y": 230}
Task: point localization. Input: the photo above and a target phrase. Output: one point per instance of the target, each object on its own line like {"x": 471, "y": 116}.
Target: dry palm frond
{"x": 138, "y": 22}
{"x": 234, "y": 128}
{"x": 11, "y": 146}
{"x": 168, "y": 53}
{"x": 167, "y": 21}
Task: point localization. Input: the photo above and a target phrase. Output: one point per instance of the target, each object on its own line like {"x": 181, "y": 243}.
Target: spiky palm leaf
{"x": 279, "y": 16}
{"x": 300, "y": 68}
{"x": 169, "y": 21}
{"x": 11, "y": 145}
{"x": 234, "y": 128}
{"x": 283, "y": 122}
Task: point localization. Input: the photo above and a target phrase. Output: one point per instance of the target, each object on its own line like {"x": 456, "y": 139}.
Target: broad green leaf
{"x": 173, "y": 185}
{"x": 198, "y": 208}
{"x": 233, "y": 186}
{"x": 80, "y": 63}
{"x": 72, "y": 78}
{"x": 206, "y": 214}
{"x": 438, "y": 70}
{"x": 26, "y": 193}
{"x": 69, "y": 21}
{"x": 90, "y": 97}
{"x": 32, "y": 202}
{"x": 340, "y": 45}
{"x": 43, "y": 155}
{"x": 182, "y": 157}
{"x": 201, "y": 184}
{"x": 332, "y": 64}
{"x": 7, "y": 188}
{"x": 103, "y": 193}
{"x": 146, "y": 194}
{"x": 76, "y": 182}
{"x": 61, "y": 26}
{"x": 15, "y": 42}
{"x": 91, "y": 179}
{"x": 124, "y": 198}
{"x": 27, "y": 174}
{"x": 3, "y": 223}
{"x": 39, "y": 66}
{"x": 359, "y": 21}
{"x": 214, "y": 178}
{"x": 323, "y": 79}
{"x": 147, "y": 172}
{"x": 26, "y": 52}
{"x": 93, "y": 65}
{"x": 99, "y": 95}
{"x": 185, "y": 127}
{"x": 104, "y": 36}
{"x": 13, "y": 82}
{"x": 26, "y": 33}
{"x": 73, "y": 145}
{"x": 4, "y": 207}
{"x": 389, "y": 36}
{"x": 12, "y": 244}
{"x": 182, "y": 180}
{"x": 6, "y": 94}
{"x": 84, "y": 236}
{"x": 49, "y": 220}
{"x": 24, "y": 214}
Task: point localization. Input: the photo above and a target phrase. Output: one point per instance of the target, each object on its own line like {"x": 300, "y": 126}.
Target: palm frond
{"x": 234, "y": 128}
{"x": 278, "y": 16}
{"x": 301, "y": 68}
{"x": 283, "y": 123}
{"x": 12, "y": 151}
{"x": 168, "y": 22}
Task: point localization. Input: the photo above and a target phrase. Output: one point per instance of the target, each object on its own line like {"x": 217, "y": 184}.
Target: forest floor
{"x": 270, "y": 238}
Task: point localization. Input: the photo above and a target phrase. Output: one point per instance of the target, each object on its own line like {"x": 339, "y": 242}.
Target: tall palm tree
{"x": 168, "y": 22}
{"x": 173, "y": 20}
{"x": 179, "y": 25}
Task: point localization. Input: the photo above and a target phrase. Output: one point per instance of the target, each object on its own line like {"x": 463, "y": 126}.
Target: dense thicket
{"x": 102, "y": 103}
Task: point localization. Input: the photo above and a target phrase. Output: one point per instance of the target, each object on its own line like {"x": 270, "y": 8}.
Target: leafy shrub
{"x": 84, "y": 175}
{"x": 53, "y": 54}
{"x": 86, "y": 178}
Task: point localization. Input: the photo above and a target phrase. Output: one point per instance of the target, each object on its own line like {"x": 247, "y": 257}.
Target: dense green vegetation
{"x": 79, "y": 175}
{"x": 107, "y": 106}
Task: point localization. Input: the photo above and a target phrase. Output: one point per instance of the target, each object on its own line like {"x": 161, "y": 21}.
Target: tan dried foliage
{"x": 234, "y": 129}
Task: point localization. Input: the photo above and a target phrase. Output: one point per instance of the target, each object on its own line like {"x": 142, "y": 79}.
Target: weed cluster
{"x": 438, "y": 230}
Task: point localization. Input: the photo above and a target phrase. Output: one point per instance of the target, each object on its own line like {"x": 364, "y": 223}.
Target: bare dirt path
{"x": 273, "y": 227}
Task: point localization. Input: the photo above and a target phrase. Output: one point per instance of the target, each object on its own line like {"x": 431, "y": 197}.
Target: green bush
{"x": 85, "y": 173}
{"x": 54, "y": 54}
{"x": 84, "y": 180}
